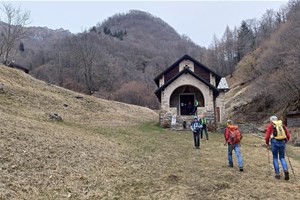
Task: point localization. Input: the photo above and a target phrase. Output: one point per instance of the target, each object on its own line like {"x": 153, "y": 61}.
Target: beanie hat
{"x": 273, "y": 118}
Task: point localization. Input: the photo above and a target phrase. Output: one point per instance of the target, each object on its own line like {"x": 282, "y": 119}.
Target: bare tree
{"x": 13, "y": 21}
{"x": 267, "y": 25}
{"x": 84, "y": 51}
{"x": 229, "y": 48}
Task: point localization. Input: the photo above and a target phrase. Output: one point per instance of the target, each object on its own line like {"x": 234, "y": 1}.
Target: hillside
{"x": 109, "y": 150}
{"x": 127, "y": 48}
{"x": 266, "y": 81}
{"x": 37, "y": 151}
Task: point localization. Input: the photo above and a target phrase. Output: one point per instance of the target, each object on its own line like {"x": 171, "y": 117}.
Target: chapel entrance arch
{"x": 183, "y": 96}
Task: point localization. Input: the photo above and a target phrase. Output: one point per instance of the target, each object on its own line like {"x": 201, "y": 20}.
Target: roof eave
{"x": 186, "y": 70}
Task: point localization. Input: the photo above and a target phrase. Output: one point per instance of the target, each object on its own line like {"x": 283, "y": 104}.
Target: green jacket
{"x": 203, "y": 120}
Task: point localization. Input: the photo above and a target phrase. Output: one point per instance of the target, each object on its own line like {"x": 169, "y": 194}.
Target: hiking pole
{"x": 269, "y": 160}
{"x": 290, "y": 163}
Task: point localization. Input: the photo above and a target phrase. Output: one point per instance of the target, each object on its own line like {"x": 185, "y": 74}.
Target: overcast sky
{"x": 199, "y": 20}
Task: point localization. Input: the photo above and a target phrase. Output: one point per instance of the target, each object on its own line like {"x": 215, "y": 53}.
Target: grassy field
{"x": 109, "y": 150}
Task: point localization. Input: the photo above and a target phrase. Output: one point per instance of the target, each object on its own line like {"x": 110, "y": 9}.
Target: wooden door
{"x": 186, "y": 103}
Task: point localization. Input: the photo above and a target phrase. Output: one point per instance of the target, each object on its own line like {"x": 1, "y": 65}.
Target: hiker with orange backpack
{"x": 233, "y": 137}
{"x": 279, "y": 135}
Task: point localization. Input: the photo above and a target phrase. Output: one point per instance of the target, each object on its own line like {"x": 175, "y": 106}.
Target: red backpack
{"x": 234, "y": 134}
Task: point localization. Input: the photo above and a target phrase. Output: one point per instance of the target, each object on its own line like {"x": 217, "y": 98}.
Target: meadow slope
{"x": 110, "y": 150}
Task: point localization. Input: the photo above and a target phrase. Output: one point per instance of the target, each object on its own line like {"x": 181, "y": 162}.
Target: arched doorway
{"x": 183, "y": 96}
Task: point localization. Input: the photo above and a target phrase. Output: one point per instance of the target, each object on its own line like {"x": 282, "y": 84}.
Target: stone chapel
{"x": 184, "y": 82}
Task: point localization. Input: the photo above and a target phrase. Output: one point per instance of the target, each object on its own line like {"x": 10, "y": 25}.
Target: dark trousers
{"x": 204, "y": 127}
{"x": 196, "y": 138}
{"x": 194, "y": 112}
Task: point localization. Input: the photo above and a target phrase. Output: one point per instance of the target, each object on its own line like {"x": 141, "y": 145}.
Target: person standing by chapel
{"x": 190, "y": 108}
{"x": 196, "y": 104}
{"x": 204, "y": 127}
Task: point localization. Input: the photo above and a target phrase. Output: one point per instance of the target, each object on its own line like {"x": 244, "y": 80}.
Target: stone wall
{"x": 168, "y": 119}
{"x": 220, "y": 102}
{"x": 165, "y": 117}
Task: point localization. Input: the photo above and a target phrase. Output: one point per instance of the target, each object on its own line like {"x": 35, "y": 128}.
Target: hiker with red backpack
{"x": 279, "y": 135}
{"x": 233, "y": 137}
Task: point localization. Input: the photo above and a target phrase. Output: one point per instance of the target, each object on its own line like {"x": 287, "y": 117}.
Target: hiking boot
{"x": 241, "y": 169}
{"x": 230, "y": 165}
{"x": 286, "y": 176}
{"x": 277, "y": 176}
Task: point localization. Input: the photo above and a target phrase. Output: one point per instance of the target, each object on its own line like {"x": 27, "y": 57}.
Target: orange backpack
{"x": 234, "y": 134}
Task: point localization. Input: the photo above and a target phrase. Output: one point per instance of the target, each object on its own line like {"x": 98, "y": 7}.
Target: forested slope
{"x": 267, "y": 80}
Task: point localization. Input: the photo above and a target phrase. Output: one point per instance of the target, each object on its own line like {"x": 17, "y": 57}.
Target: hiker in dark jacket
{"x": 204, "y": 127}
{"x": 233, "y": 144}
{"x": 196, "y": 128}
{"x": 277, "y": 146}
{"x": 190, "y": 108}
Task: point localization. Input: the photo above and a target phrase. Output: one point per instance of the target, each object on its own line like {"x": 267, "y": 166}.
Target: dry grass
{"x": 110, "y": 150}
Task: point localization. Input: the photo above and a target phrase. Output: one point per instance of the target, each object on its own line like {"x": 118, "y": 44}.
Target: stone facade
{"x": 220, "y": 104}
{"x": 181, "y": 81}
{"x": 184, "y": 82}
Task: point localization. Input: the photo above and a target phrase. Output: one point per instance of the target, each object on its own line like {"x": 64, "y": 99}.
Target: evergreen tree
{"x": 245, "y": 40}
{"x": 106, "y": 30}
{"x": 21, "y": 46}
